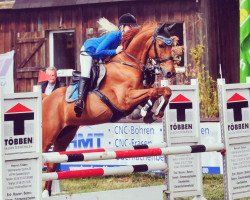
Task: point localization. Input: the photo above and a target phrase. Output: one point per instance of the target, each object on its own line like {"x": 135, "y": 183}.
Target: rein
{"x": 129, "y": 64}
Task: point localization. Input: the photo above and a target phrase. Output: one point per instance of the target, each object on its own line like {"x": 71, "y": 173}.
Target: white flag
{"x": 6, "y": 72}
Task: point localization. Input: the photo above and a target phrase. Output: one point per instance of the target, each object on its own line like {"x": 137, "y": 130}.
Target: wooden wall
{"x": 223, "y": 38}
{"x": 26, "y": 30}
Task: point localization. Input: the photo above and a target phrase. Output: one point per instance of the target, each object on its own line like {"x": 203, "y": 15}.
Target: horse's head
{"x": 151, "y": 42}
{"x": 160, "y": 50}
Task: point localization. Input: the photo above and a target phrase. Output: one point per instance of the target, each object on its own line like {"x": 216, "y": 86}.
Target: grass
{"x": 110, "y": 183}
{"x": 213, "y": 187}
{"x": 212, "y": 184}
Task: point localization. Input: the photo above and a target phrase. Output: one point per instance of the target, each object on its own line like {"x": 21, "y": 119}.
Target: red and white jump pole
{"x": 141, "y": 146}
{"x": 103, "y": 171}
{"x": 56, "y": 157}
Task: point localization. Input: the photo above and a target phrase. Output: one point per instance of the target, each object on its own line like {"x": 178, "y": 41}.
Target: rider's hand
{"x": 119, "y": 49}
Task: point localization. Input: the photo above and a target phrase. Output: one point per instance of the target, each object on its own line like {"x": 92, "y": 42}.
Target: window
{"x": 62, "y": 49}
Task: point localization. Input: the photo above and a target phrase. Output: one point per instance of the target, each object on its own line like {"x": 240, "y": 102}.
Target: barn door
{"x": 30, "y": 58}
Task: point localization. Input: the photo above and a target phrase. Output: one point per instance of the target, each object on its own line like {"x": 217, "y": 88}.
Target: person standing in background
{"x": 53, "y": 83}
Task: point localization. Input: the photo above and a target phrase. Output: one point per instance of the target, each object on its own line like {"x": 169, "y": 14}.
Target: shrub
{"x": 207, "y": 86}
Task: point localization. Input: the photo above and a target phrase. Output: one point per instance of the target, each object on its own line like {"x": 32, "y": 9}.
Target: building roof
{"x": 22, "y": 4}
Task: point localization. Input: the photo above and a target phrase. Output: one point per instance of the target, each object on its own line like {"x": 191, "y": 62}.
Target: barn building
{"x": 51, "y": 32}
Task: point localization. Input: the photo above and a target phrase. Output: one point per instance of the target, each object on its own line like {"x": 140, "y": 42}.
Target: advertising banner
{"x": 21, "y": 158}
{"x": 6, "y": 72}
{"x": 115, "y": 136}
{"x": 122, "y": 135}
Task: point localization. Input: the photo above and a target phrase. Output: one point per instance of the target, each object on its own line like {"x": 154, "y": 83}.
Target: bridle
{"x": 162, "y": 38}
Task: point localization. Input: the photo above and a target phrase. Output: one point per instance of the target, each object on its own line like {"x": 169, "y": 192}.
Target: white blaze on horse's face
{"x": 165, "y": 52}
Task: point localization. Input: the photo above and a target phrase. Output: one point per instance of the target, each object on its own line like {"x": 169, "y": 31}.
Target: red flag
{"x": 42, "y": 76}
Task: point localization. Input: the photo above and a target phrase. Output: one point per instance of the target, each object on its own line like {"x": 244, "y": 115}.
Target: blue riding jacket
{"x": 104, "y": 46}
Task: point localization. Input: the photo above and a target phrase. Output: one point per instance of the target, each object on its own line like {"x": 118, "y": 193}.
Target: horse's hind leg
{"x": 61, "y": 143}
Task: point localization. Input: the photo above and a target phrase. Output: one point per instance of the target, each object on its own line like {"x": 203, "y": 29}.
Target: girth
{"x": 117, "y": 114}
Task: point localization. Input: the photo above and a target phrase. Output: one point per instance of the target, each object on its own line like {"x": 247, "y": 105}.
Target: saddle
{"x": 98, "y": 71}
{"x": 97, "y": 74}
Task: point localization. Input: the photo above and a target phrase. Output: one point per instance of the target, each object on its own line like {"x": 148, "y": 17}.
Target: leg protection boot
{"x": 82, "y": 94}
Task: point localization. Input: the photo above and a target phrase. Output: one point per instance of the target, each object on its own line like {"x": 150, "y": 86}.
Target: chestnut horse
{"x": 122, "y": 86}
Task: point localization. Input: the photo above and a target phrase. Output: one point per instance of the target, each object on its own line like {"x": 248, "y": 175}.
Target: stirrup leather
{"x": 78, "y": 107}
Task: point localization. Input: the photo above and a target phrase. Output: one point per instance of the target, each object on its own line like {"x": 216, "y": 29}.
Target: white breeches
{"x": 86, "y": 63}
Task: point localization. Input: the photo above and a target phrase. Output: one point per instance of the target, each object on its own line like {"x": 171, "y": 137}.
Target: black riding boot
{"x": 82, "y": 93}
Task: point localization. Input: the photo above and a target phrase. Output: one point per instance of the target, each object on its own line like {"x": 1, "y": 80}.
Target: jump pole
{"x": 56, "y": 185}
{"x": 62, "y": 158}
{"x": 97, "y": 172}
{"x": 143, "y": 146}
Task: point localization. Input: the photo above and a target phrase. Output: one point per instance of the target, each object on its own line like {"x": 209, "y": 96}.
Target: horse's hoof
{"x": 160, "y": 114}
{"x": 147, "y": 107}
{"x": 136, "y": 114}
{"x": 143, "y": 112}
{"x": 45, "y": 194}
{"x": 149, "y": 118}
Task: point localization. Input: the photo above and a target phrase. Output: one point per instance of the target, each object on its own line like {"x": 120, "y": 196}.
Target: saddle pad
{"x": 72, "y": 90}
{"x": 71, "y": 93}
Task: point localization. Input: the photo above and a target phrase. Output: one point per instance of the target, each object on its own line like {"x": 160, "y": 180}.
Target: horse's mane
{"x": 129, "y": 35}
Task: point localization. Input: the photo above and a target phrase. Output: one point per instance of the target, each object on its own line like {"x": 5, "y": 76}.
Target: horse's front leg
{"x": 149, "y": 96}
{"x": 135, "y": 97}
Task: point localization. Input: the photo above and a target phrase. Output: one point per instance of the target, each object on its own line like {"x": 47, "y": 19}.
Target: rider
{"x": 100, "y": 48}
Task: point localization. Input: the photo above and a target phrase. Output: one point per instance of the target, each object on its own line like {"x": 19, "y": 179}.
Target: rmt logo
{"x": 237, "y": 103}
{"x": 180, "y": 103}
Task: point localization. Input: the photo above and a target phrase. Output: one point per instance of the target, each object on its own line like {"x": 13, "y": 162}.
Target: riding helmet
{"x": 127, "y": 19}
